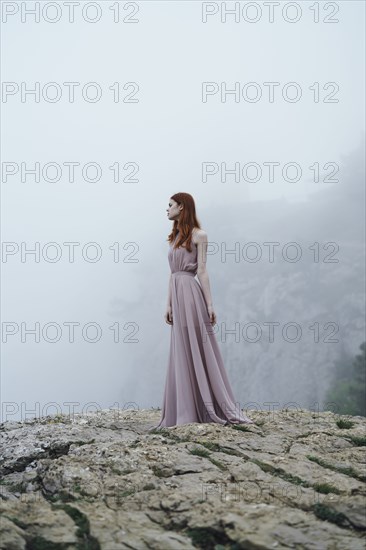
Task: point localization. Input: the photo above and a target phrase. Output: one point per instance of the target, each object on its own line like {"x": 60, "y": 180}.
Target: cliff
{"x": 294, "y": 479}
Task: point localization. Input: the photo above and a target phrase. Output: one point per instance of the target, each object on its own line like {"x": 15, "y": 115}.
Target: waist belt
{"x": 184, "y": 273}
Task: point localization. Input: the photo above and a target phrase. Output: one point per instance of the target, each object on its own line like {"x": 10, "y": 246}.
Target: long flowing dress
{"x": 197, "y": 388}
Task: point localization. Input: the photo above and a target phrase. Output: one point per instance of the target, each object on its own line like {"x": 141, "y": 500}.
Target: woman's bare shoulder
{"x": 198, "y": 235}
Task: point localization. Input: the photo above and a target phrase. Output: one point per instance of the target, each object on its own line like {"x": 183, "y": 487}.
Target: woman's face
{"x": 173, "y": 210}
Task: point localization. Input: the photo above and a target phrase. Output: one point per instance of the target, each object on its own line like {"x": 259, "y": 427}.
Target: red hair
{"x": 186, "y": 223}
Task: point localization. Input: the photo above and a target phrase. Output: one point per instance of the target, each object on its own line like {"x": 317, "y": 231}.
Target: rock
{"x": 106, "y": 481}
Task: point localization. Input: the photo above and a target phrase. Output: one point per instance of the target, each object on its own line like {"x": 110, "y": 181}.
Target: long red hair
{"x": 186, "y": 223}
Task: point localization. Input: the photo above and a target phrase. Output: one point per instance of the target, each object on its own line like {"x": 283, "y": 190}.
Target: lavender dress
{"x": 197, "y": 388}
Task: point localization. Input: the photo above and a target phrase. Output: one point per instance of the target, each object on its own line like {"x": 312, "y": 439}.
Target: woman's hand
{"x": 212, "y": 315}
{"x": 169, "y": 315}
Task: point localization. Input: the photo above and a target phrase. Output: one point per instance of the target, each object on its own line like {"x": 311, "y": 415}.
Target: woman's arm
{"x": 201, "y": 241}
{"x": 169, "y": 302}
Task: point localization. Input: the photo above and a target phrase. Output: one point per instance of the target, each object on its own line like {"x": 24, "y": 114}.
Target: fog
{"x": 174, "y": 129}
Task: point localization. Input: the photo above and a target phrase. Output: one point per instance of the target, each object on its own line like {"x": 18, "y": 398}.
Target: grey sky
{"x": 168, "y": 133}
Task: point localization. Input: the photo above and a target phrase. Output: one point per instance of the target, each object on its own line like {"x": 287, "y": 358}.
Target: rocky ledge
{"x": 294, "y": 479}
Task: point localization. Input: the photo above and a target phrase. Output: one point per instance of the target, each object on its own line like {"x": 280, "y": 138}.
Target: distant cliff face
{"x": 103, "y": 481}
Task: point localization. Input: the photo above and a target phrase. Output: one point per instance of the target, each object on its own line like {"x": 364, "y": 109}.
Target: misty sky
{"x": 163, "y": 139}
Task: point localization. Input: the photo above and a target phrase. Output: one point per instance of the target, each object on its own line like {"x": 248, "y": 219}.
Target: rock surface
{"x": 294, "y": 479}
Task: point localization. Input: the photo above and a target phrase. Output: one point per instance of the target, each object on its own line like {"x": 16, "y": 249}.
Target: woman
{"x": 197, "y": 388}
